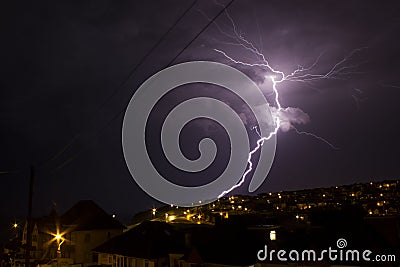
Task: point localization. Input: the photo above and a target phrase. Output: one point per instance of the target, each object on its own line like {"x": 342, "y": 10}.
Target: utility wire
{"x": 66, "y": 162}
{"x": 114, "y": 93}
{"x": 199, "y": 33}
{"x": 10, "y": 172}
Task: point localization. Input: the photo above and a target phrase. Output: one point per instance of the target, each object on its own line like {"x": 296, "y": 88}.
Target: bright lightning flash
{"x": 301, "y": 74}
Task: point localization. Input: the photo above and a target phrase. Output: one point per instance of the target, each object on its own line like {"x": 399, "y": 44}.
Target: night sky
{"x": 66, "y": 79}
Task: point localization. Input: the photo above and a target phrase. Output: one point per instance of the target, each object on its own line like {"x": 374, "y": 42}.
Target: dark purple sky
{"x": 62, "y": 64}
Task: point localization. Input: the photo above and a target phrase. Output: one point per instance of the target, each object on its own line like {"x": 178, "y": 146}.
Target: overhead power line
{"x": 114, "y": 93}
{"x": 169, "y": 64}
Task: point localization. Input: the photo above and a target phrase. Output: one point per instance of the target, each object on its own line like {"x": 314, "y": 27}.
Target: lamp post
{"x": 15, "y": 226}
{"x": 60, "y": 241}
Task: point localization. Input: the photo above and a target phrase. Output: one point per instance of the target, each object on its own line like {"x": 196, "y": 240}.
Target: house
{"x": 149, "y": 244}
{"x": 159, "y": 244}
{"x": 43, "y": 247}
{"x": 86, "y": 226}
{"x": 79, "y": 230}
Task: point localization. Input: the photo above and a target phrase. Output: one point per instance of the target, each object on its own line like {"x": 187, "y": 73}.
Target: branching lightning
{"x": 315, "y": 136}
{"x": 301, "y": 74}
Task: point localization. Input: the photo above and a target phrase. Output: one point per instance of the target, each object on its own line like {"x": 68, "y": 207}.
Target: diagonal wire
{"x": 114, "y": 93}
{"x": 66, "y": 162}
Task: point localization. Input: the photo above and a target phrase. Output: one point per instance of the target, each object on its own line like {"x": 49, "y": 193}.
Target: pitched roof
{"x": 46, "y": 224}
{"x": 148, "y": 240}
{"x": 87, "y": 215}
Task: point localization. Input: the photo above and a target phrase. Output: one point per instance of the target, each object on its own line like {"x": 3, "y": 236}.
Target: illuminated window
{"x": 272, "y": 235}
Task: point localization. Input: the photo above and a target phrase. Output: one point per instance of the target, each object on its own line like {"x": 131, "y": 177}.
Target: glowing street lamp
{"x": 15, "y": 226}
{"x": 60, "y": 240}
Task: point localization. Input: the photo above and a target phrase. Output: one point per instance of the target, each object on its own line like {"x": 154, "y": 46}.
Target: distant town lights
{"x": 297, "y": 205}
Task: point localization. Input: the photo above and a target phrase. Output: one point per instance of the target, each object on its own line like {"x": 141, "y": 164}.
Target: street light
{"x": 15, "y": 226}
{"x": 60, "y": 240}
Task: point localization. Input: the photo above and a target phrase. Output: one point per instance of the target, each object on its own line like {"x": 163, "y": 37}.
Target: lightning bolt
{"x": 260, "y": 142}
{"x": 301, "y": 74}
{"x": 315, "y": 136}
